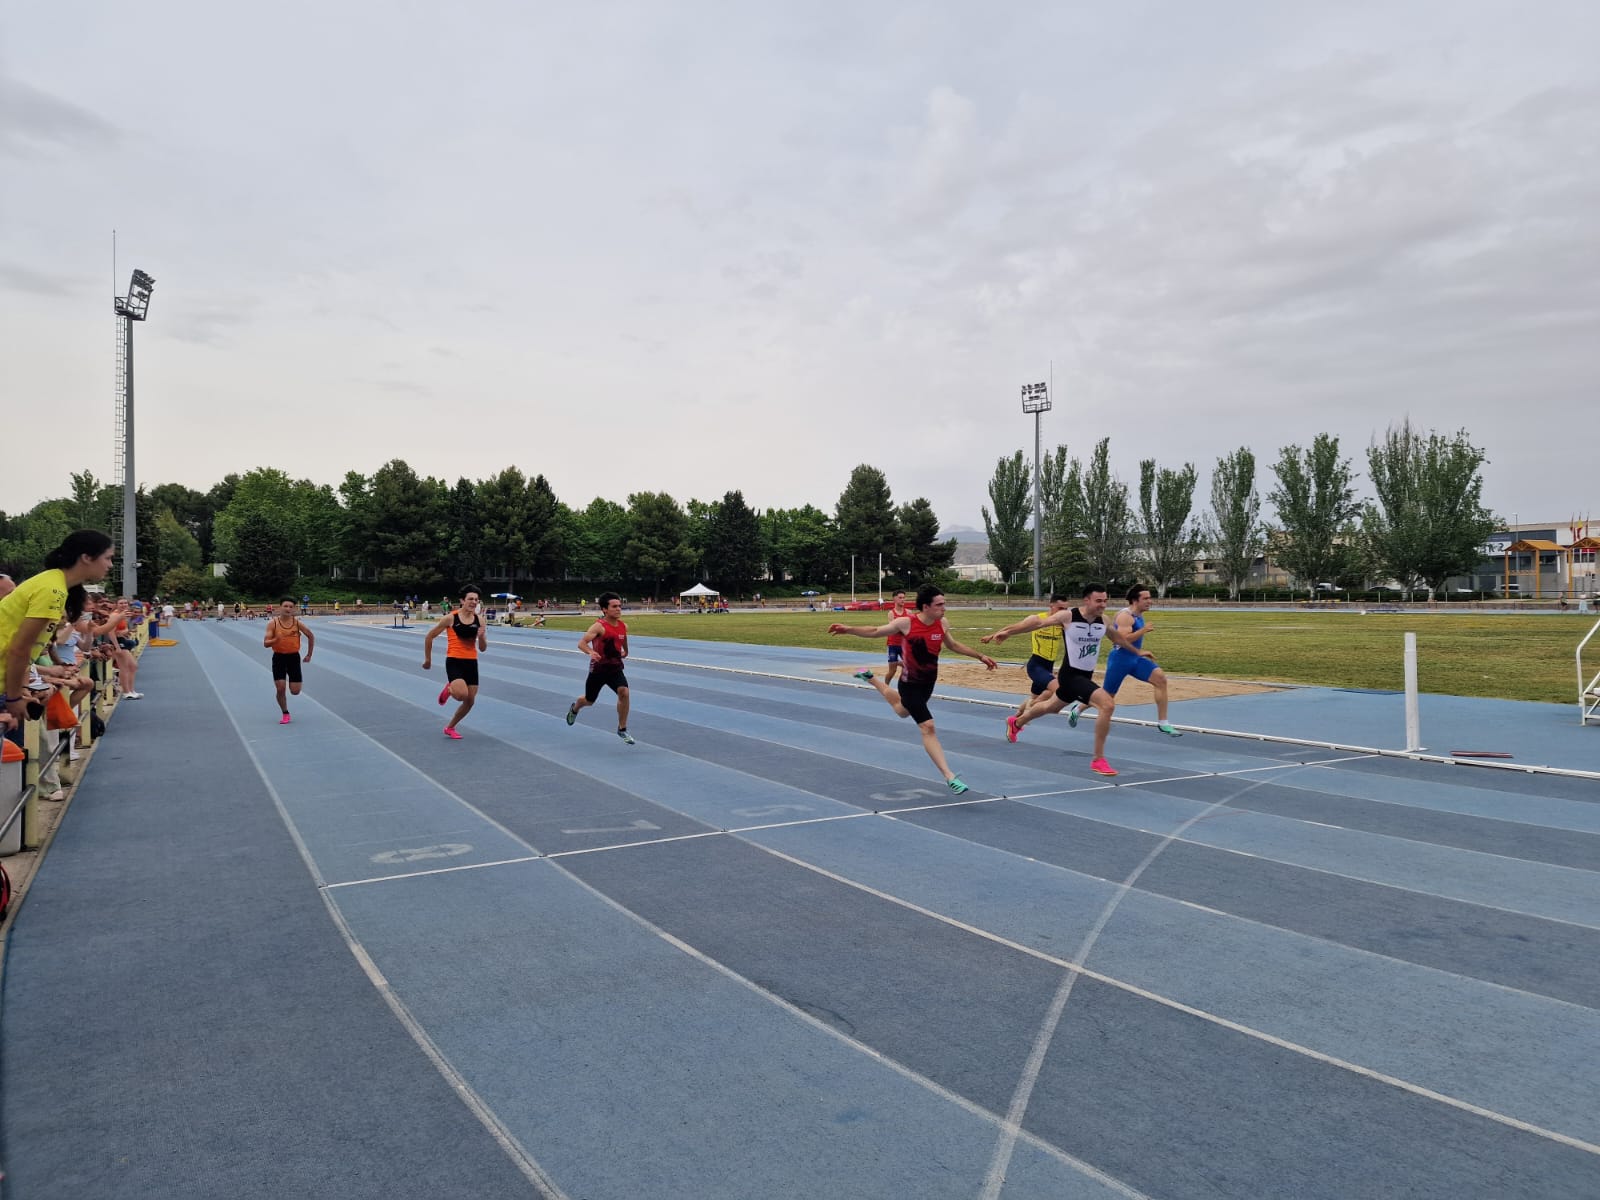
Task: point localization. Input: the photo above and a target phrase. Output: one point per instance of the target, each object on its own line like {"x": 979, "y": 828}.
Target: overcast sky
{"x": 693, "y": 247}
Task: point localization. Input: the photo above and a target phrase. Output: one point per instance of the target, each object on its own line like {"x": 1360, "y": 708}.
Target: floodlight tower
{"x": 130, "y": 308}
{"x": 1036, "y": 400}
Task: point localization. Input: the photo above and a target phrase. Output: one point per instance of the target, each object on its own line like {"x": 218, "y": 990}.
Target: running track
{"x": 764, "y": 953}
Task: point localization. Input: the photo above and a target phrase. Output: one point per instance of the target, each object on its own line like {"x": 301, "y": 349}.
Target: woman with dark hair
{"x": 30, "y": 614}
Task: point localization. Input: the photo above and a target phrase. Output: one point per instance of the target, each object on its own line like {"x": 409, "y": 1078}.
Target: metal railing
{"x": 22, "y": 804}
{"x": 1588, "y": 693}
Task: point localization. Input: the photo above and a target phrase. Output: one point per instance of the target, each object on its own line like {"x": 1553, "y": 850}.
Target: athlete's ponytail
{"x": 85, "y": 542}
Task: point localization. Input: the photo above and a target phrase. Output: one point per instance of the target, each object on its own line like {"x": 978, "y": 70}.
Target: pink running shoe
{"x": 456, "y": 737}
{"x": 1101, "y": 767}
{"x": 1011, "y": 728}
{"x": 283, "y": 720}
{"x": 444, "y": 695}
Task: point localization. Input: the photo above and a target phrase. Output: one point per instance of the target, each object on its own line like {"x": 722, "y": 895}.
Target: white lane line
{"x": 1199, "y": 1013}
{"x": 487, "y": 1114}
{"x": 1275, "y": 858}
{"x": 995, "y": 1178}
{"x": 503, "y": 862}
{"x": 504, "y": 1138}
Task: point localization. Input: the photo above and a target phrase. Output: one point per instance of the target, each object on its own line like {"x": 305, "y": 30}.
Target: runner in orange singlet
{"x": 465, "y": 639}
{"x": 284, "y": 629}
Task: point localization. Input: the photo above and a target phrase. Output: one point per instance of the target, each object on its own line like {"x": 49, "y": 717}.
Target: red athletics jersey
{"x": 895, "y": 614}
{"x": 612, "y": 645}
{"x": 923, "y": 643}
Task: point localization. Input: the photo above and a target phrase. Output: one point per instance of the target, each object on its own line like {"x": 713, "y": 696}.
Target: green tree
{"x": 774, "y": 524}
{"x": 733, "y": 552}
{"x": 463, "y": 549}
{"x": 319, "y": 521}
{"x": 1010, "y": 538}
{"x": 34, "y": 534}
{"x": 265, "y": 491}
{"x": 177, "y": 547}
{"x": 192, "y": 509}
{"x": 87, "y": 509}
{"x": 864, "y": 519}
{"x": 808, "y": 546}
{"x": 506, "y": 511}
{"x": 657, "y": 549}
{"x": 1316, "y": 504}
{"x": 1171, "y": 540}
{"x": 1235, "y": 528}
{"x": 1107, "y": 521}
{"x": 261, "y": 562}
{"x": 1429, "y": 522}
{"x": 405, "y": 527}
{"x": 545, "y": 530}
{"x": 598, "y": 538}
{"x": 698, "y": 516}
{"x": 920, "y": 557}
{"x": 182, "y": 583}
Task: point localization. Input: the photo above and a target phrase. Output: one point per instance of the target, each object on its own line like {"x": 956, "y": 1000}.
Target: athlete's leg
{"x": 461, "y": 690}
{"x": 1042, "y": 706}
{"x": 281, "y": 685}
{"x": 930, "y": 743}
{"x": 1104, "y": 705}
{"x": 889, "y": 694}
{"x": 622, "y": 708}
{"x": 294, "y": 688}
{"x": 466, "y": 702}
{"x": 1158, "y": 684}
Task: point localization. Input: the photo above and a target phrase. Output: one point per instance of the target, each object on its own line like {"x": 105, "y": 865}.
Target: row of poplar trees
{"x": 1421, "y": 522}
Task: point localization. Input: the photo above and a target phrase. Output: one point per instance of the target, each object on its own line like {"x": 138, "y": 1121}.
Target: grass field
{"x": 1512, "y": 656}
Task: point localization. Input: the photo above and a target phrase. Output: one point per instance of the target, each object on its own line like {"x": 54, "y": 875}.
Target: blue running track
{"x": 765, "y": 953}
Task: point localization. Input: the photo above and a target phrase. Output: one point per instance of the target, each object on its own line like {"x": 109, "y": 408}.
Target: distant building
{"x": 1538, "y": 560}
{"x": 972, "y": 562}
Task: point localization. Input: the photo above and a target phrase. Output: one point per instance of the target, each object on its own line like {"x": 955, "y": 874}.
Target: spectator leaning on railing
{"x": 30, "y": 614}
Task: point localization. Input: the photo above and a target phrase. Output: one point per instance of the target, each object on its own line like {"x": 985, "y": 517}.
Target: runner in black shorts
{"x": 464, "y": 640}
{"x": 1084, "y": 627}
{"x": 284, "y": 631}
{"x": 926, "y": 633}
{"x": 606, "y": 644}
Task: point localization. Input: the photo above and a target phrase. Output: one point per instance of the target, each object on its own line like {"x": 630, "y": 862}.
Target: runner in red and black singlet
{"x": 896, "y": 644}
{"x": 465, "y": 639}
{"x": 925, "y": 633}
{"x": 606, "y": 644}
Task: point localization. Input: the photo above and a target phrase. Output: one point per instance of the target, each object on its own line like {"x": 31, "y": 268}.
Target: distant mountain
{"x": 963, "y": 533}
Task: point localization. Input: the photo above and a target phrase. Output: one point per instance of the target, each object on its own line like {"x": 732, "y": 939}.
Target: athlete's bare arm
{"x": 427, "y": 642}
{"x": 1126, "y": 642}
{"x": 950, "y": 641}
{"x": 1028, "y": 625}
{"x": 900, "y": 625}
{"x": 311, "y": 638}
{"x": 586, "y": 642}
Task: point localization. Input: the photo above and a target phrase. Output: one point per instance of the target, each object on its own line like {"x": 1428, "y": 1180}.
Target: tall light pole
{"x": 130, "y": 308}
{"x": 1036, "y": 400}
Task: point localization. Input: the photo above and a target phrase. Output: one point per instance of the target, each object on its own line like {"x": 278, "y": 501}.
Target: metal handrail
{"x": 1588, "y": 694}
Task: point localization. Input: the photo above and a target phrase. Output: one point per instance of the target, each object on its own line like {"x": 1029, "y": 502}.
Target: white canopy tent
{"x": 700, "y": 589}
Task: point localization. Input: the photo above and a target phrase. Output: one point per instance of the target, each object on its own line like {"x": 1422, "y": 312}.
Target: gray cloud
{"x": 33, "y": 122}
{"x": 1228, "y": 224}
